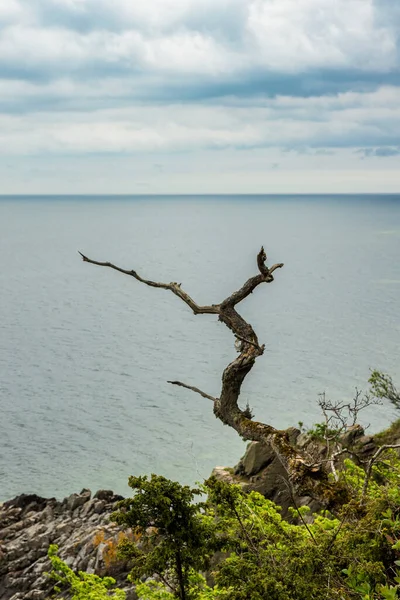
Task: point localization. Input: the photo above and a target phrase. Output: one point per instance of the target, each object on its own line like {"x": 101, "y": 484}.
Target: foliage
{"x": 353, "y": 553}
{"x": 382, "y": 386}
{"x": 154, "y": 590}
{"x": 330, "y": 557}
{"x": 84, "y": 586}
{"x": 320, "y": 431}
{"x": 175, "y": 538}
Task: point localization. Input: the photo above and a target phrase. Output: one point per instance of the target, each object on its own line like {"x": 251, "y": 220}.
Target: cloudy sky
{"x": 199, "y": 96}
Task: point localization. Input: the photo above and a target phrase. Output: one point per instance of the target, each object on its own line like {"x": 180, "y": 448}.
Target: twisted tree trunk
{"x": 304, "y": 478}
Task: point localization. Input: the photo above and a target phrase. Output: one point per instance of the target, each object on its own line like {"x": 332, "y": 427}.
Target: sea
{"x": 86, "y": 352}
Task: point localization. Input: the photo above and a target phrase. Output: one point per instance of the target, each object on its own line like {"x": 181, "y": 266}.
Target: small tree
{"x": 175, "y": 537}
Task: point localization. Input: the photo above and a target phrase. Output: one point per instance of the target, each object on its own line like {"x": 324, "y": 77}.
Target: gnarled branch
{"x": 305, "y": 478}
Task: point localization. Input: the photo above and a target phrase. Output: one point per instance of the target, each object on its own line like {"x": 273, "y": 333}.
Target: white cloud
{"x": 292, "y": 34}
{"x": 10, "y": 11}
{"x": 367, "y": 119}
{"x": 181, "y": 35}
{"x": 92, "y": 77}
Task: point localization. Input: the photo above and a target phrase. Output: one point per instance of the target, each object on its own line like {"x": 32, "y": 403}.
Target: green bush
{"x": 83, "y": 586}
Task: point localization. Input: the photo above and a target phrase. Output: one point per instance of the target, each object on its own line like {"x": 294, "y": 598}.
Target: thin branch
{"x": 338, "y": 530}
{"x": 175, "y": 288}
{"x": 274, "y": 267}
{"x": 371, "y": 464}
{"x": 194, "y": 389}
{"x": 246, "y": 533}
{"x": 290, "y": 490}
{"x": 335, "y": 456}
{"x": 337, "y": 416}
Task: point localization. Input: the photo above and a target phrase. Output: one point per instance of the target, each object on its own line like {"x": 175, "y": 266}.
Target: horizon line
{"x": 245, "y": 194}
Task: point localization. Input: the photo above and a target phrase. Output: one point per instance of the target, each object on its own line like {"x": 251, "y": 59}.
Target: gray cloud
{"x": 380, "y": 152}
{"x": 97, "y": 78}
{"x": 225, "y": 20}
{"x": 259, "y": 42}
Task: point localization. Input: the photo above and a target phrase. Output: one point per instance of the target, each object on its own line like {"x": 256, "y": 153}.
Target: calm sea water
{"x": 85, "y": 353}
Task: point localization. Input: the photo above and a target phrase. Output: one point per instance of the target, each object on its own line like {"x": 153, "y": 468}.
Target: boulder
{"x": 74, "y": 501}
{"x": 293, "y": 434}
{"x": 103, "y": 495}
{"x": 257, "y": 457}
{"x": 350, "y": 436}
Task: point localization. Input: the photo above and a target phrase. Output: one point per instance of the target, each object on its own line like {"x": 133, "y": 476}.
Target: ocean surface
{"x": 85, "y": 352}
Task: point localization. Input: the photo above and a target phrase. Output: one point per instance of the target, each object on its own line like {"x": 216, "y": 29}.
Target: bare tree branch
{"x": 194, "y": 389}
{"x": 265, "y": 276}
{"x": 175, "y": 288}
{"x": 290, "y": 490}
{"x": 340, "y": 417}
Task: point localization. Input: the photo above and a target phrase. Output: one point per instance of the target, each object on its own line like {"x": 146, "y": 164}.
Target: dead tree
{"x": 305, "y": 478}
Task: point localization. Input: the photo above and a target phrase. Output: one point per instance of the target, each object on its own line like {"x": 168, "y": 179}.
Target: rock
{"x": 25, "y": 501}
{"x": 104, "y": 495}
{"x": 257, "y": 457}
{"x": 365, "y": 439}
{"x": 293, "y": 433}
{"x": 35, "y": 595}
{"x": 29, "y": 524}
{"x": 76, "y": 500}
{"x": 224, "y": 474}
{"x": 366, "y": 446}
{"x": 99, "y": 506}
{"x": 87, "y": 508}
{"x": 117, "y": 498}
{"x": 270, "y": 480}
{"x": 312, "y": 504}
{"x": 302, "y": 440}
{"x": 261, "y": 470}
{"x": 351, "y": 435}
{"x": 130, "y": 594}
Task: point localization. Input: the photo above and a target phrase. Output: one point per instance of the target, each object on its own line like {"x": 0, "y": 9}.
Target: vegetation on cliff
{"x": 248, "y": 551}
{"x": 235, "y": 544}
{"x": 220, "y": 542}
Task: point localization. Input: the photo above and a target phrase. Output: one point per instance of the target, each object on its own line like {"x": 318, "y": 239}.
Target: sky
{"x": 199, "y": 96}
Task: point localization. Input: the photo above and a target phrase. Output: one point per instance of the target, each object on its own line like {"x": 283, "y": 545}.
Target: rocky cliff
{"x": 80, "y": 525}
{"x": 260, "y": 469}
